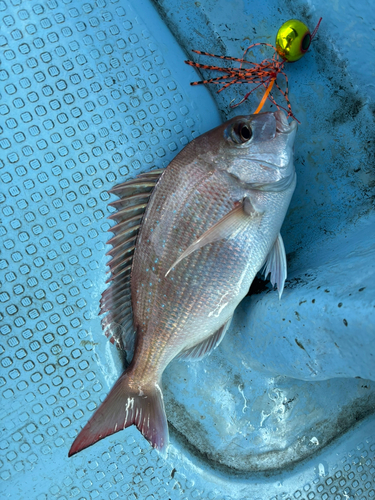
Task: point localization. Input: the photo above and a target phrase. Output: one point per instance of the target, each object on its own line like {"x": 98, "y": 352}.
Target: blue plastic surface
{"x": 93, "y": 93}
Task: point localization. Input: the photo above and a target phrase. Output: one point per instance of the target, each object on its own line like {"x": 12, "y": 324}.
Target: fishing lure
{"x": 292, "y": 41}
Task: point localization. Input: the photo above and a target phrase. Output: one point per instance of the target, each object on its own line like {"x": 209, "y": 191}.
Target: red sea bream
{"x": 188, "y": 243}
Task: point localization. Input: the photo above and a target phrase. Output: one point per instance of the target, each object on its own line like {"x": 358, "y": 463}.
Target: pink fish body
{"x": 185, "y": 253}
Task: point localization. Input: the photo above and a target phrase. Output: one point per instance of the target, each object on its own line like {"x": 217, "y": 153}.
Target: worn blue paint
{"x": 284, "y": 382}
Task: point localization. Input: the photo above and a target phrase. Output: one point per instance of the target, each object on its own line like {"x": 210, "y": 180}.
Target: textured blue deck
{"x": 94, "y": 93}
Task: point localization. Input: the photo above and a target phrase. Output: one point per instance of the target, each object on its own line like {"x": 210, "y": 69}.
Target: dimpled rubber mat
{"x": 91, "y": 94}
{"x": 88, "y": 98}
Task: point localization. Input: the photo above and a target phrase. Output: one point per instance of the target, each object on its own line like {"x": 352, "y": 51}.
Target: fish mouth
{"x": 282, "y": 124}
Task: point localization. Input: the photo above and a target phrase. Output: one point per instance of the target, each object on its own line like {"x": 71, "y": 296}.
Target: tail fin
{"x": 123, "y": 407}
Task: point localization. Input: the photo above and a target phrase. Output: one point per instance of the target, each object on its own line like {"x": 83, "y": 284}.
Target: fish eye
{"x": 245, "y": 133}
{"x": 242, "y": 133}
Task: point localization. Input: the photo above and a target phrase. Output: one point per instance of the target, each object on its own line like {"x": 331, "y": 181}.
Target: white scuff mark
{"x": 218, "y": 309}
{"x": 263, "y": 418}
{"x": 278, "y": 397}
{"x": 321, "y": 470}
{"x": 140, "y": 392}
{"x": 277, "y": 393}
{"x": 315, "y": 441}
{"x": 245, "y": 400}
{"x": 109, "y": 368}
{"x": 248, "y": 367}
{"x": 108, "y": 364}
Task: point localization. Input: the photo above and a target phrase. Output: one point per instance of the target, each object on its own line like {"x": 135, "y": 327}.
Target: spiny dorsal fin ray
{"x": 121, "y": 259}
{"x": 112, "y": 298}
{"x": 128, "y": 212}
{"x": 108, "y": 295}
{"x": 121, "y": 248}
{"x": 134, "y": 199}
{"x": 116, "y": 299}
{"x": 121, "y": 226}
{"x": 143, "y": 183}
{"x": 155, "y": 173}
{"x": 128, "y": 189}
{"x": 114, "y": 269}
{"x": 117, "y": 317}
{"x": 119, "y": 238}
{"x": 121, "y": 272}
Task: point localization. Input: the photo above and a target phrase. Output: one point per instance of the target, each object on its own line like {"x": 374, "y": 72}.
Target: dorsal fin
{"x": 128, "y": 213}
{"x": 134, "y": 199}
{"x": 119, "y": 228}
{"x": 204, "y": 348}
{"x": 119, "y": 238}
{"x": 120, "y": 263}
{"x": 116, "y": 299}
{"x": 121, "y": 246}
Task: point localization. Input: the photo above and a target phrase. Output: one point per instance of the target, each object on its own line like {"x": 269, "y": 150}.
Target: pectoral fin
{"x": 222, "y": 230}
{"x": 276, "y": 265}
{"x": 274, "y": 187}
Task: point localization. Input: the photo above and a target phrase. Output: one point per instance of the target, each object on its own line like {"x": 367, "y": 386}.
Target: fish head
{"x": 257, "y": 148}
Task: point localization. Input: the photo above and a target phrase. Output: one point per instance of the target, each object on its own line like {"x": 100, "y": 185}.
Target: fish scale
{"x": 200, "y": 264}
{"x": 211, "y": 222}
{"x": 180, "y": 280}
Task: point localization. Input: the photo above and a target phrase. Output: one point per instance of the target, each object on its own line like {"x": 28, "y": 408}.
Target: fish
{"x": 188, "y": 242}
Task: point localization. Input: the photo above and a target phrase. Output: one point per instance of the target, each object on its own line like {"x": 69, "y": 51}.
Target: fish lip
{"x": 282, "y": 124}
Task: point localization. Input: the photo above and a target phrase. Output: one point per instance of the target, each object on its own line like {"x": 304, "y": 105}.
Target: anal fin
{"x": 205, "y": 348}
